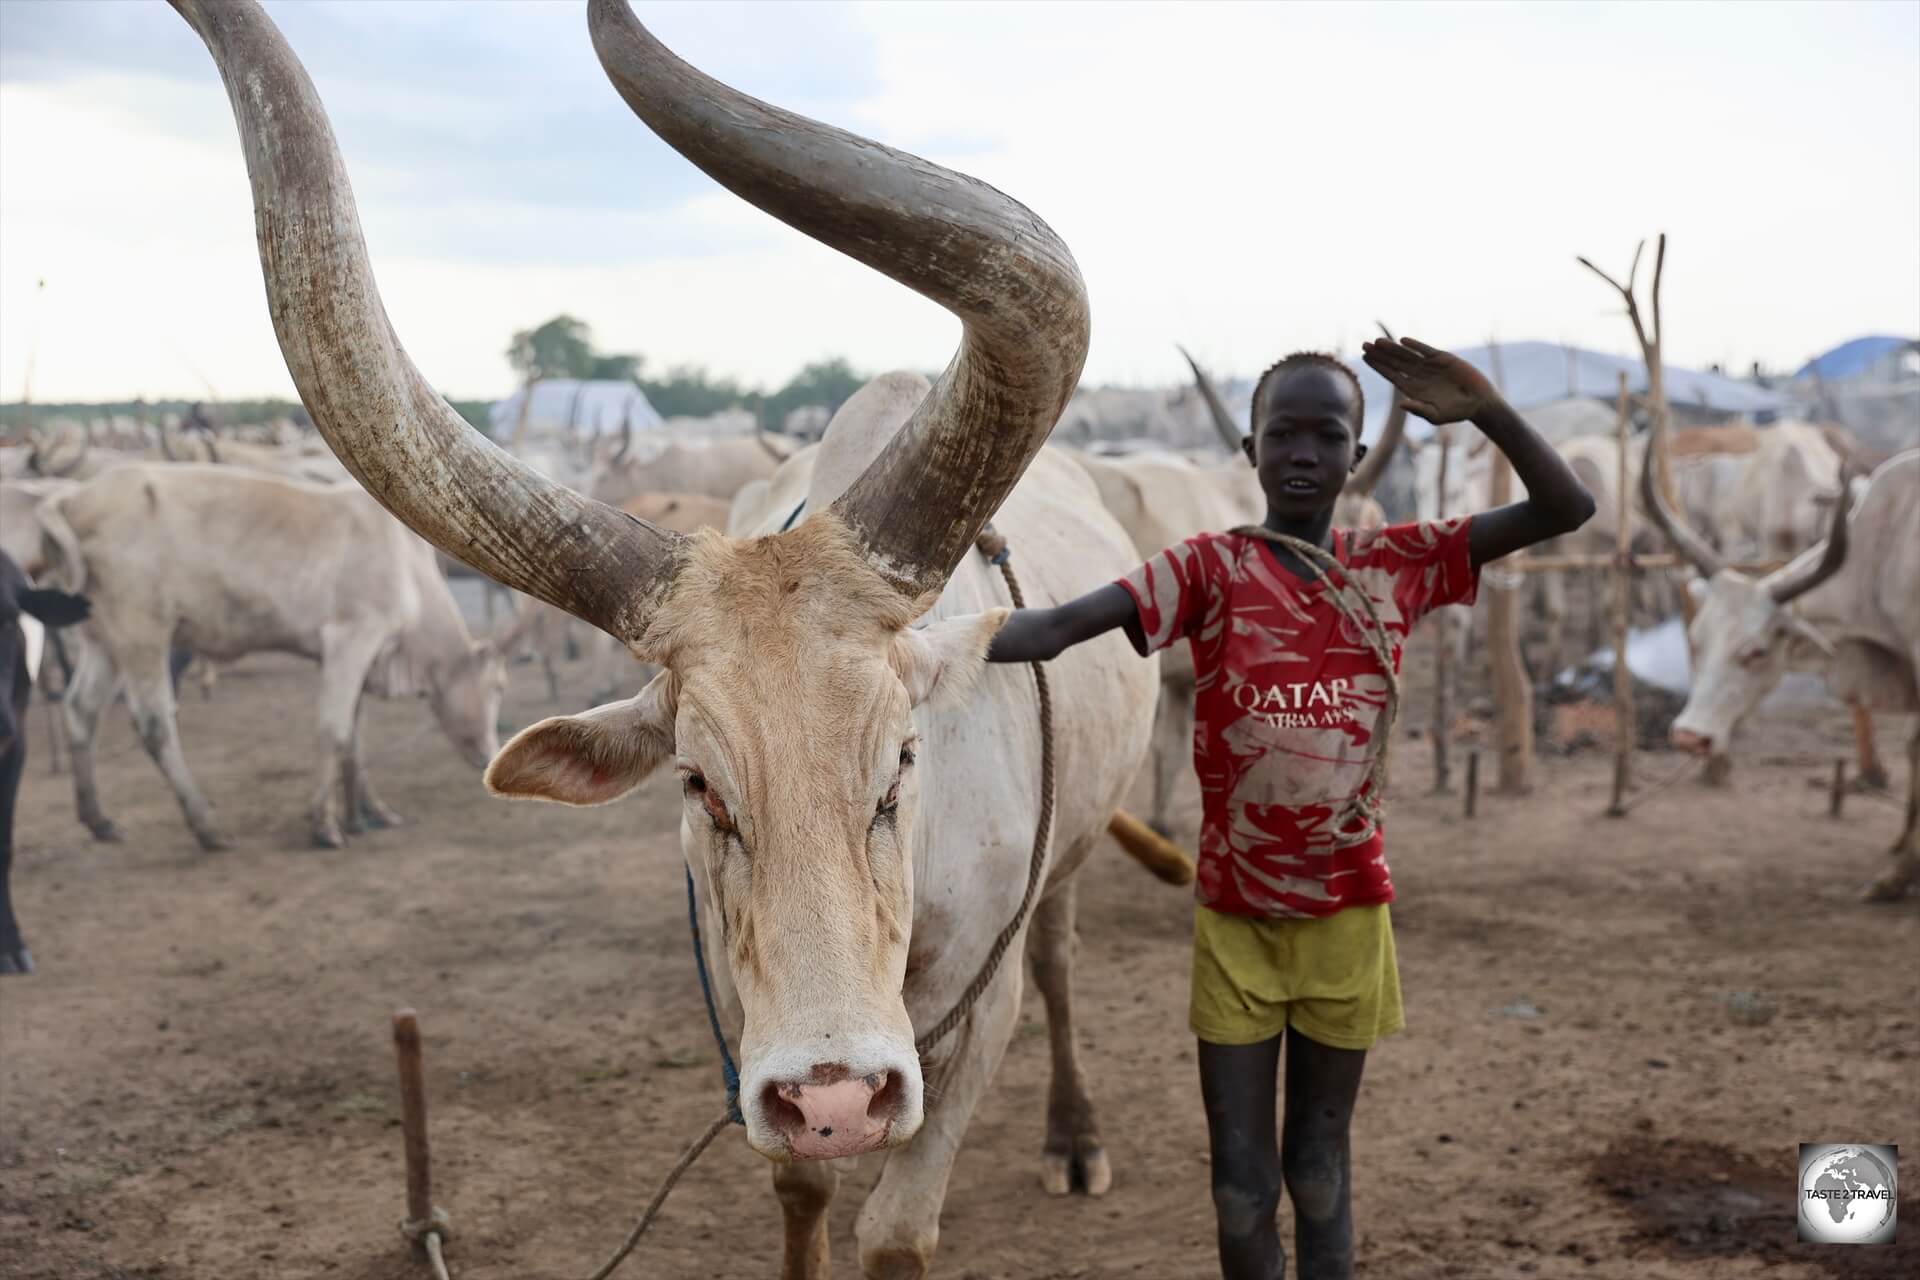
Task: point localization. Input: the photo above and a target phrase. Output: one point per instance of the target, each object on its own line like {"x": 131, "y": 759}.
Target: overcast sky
{"x": 1245, "y": 179}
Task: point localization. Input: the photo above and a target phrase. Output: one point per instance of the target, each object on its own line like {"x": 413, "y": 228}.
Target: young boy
{"x": 1291, "y": 935}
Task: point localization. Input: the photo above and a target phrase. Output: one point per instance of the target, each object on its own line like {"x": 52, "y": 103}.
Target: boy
{"x": 1291, "y": 935}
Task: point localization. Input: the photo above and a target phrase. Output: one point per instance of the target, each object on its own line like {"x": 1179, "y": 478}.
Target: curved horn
{"x": 1223, "y": 423}
{"x": 990, "y": 261}
{"x": 396, "y": 435}
{"x": 764, "y": 438}
{"x": 1797, "y": 579}
{"x": 1367, "y": 475}
{"x": 1689, "y": 544}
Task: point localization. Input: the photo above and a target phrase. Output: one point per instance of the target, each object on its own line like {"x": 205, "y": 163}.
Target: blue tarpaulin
{"x": 1850, "y": 359}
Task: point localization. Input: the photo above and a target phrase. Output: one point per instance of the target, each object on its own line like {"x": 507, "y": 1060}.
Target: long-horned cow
{"x": 228, "y": 561}
{"x": 860, "y": 793}
{"x": 1851, "y": 596}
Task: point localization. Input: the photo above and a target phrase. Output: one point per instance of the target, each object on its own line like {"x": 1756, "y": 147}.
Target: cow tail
{"x": 62, "y": 545}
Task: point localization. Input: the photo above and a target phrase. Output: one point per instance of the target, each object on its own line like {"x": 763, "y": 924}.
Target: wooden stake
{"x": 1623, "y": 717}
{"x": 1443, "y": 650}
{"x": 413, "y": 1123}
{"x": 1473, "y": 782}
{"x": 1838, "y": 796}
{"x": 1512, "y": 692}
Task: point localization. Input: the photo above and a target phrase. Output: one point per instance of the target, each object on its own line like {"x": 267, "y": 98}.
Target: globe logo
{"x": 1848, "y": 1195}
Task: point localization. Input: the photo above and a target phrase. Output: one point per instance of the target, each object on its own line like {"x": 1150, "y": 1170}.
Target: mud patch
{"x": 1695, "y": 1200}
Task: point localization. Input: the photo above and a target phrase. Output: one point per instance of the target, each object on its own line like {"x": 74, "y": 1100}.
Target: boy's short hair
{"x": 1310, "y": 360}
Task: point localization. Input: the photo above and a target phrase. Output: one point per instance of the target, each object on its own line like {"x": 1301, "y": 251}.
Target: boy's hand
{"x": 1436, "y": 384}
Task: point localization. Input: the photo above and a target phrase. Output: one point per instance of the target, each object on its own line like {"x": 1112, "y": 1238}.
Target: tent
{"x": 597, "y": 407}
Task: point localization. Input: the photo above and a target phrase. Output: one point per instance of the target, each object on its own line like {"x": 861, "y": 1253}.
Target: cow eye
{"x": 1753, "y": 658}
{"x": 695, "y": 786}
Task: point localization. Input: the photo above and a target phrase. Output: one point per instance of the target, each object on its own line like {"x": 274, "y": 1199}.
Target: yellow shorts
{"x": 1334, "y": 978}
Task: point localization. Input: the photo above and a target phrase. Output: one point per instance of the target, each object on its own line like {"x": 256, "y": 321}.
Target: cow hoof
{"x": 328, "y": 838}
{"x": 1887, "y": 888}
{"x": 105, "y": 831}
{"x": 16, "y": 960}
{"x": 382, "y": 819}
{"x": 1086, "y": 1170}
{"x": 214, "y": 841}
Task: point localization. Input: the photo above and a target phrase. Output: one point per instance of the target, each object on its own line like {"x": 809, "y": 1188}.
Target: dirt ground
{"x": 199, "y": 1082}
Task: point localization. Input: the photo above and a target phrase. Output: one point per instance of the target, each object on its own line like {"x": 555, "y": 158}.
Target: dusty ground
{"x": 198, "y": 1083}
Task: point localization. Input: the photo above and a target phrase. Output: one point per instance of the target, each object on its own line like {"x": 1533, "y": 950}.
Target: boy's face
{"x": 1302, "y": 446}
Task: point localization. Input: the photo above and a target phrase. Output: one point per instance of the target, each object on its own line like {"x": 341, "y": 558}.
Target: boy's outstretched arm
{"x": 1443, "y": 388}
{"x": 1037, "y": 635}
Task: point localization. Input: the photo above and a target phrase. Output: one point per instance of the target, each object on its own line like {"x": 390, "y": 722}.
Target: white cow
{"x": 1852, "y": 596}
{"x": 861, "y": 792}
{"x": 227, "y": 561}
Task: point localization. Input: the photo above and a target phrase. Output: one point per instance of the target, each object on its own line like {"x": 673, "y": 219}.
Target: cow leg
{"x": 362, "y": 803}
{"x": 1893, "y": 884}
{"x": 86, "y": 697}
{"x": 1172, "y": 749}
{"x": 14, "y": 956}
{"x": 345, "y": 655}
{"x": 805, "y": 1189}
{"x": 899, "y": 1226}
{"x": 1873, "y": 774}
{"x": 150, "y": 698}
{"x": 1073, "y": 1154}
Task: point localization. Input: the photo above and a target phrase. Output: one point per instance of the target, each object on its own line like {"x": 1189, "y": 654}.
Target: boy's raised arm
{"x": 1443, "y": 388}
{"x": 1037, "y": 635}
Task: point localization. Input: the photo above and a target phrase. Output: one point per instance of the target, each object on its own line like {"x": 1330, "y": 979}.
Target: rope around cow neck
{"x": 994, "y": 547}
{"x": 1351, "y": 600}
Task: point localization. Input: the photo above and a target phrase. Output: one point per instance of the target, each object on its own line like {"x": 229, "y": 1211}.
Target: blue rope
{"x": 795, "y": 515}
{"x": 729, "y": 1073}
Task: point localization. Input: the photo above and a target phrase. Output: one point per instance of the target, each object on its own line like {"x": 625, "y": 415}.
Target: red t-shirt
{"x": 1287, "y": 699}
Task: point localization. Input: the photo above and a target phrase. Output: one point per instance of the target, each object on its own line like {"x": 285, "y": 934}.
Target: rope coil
{"x": 1368, "y": 804}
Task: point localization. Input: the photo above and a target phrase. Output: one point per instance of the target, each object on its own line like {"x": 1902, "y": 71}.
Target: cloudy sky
{"x": 1245, "y": 179}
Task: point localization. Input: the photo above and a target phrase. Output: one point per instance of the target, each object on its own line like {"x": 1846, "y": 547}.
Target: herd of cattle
{"x": 817, "y": 622}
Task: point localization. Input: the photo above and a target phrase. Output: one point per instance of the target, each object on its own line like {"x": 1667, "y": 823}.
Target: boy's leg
{"x": 1237, "y": 1086}
{"x": 1322, "y": 1083}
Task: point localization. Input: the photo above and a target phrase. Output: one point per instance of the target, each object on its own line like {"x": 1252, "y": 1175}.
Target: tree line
{"x": 560, "y": 348}
{"x": 563, "y": 348}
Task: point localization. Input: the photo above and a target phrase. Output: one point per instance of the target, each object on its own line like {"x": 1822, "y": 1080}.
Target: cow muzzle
{"x": 830, "y": 1112}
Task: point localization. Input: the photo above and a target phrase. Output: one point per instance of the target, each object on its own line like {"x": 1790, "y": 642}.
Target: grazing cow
{"x": 716, "y": 469}
{"x": 861, "y": 794}
{"x": 1851, "y": 596}
{"x": 19, "y": 601}
{"x": 229, "y": 561}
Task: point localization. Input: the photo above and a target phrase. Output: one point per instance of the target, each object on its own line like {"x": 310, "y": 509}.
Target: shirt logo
{"x": 1301, "y": 704}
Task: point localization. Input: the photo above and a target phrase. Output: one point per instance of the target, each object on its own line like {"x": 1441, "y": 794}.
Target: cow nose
{"x": 1689, "y": 741}
{"x": 849, "y": 1116}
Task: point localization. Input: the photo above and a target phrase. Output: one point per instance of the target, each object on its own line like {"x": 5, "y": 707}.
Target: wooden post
{"x": 413, "y": 1121}
{"x": 1623, "y": 717}
{"x": 1512, "y": 692}
{"x": 526, "y": 408}
{"x": 1443, "y": 648}
{"x": 1473, "y": 782}
{"x": 1837, "y": 797}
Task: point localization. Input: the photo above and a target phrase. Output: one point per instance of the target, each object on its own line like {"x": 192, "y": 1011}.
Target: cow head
{"x": 789, "y": 665}
{"x": 1743, "y": 627}
{"x": 465, "y": 693}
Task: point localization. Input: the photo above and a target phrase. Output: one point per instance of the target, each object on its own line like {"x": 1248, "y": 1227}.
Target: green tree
{"x": 560, "y": 348}
{"x": 690, "y": 391}
{"x": 825, "y": 382}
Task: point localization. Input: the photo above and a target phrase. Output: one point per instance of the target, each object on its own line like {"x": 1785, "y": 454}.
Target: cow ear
{"x": 592, "y": 758}
{"x": 939, "y": 663}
